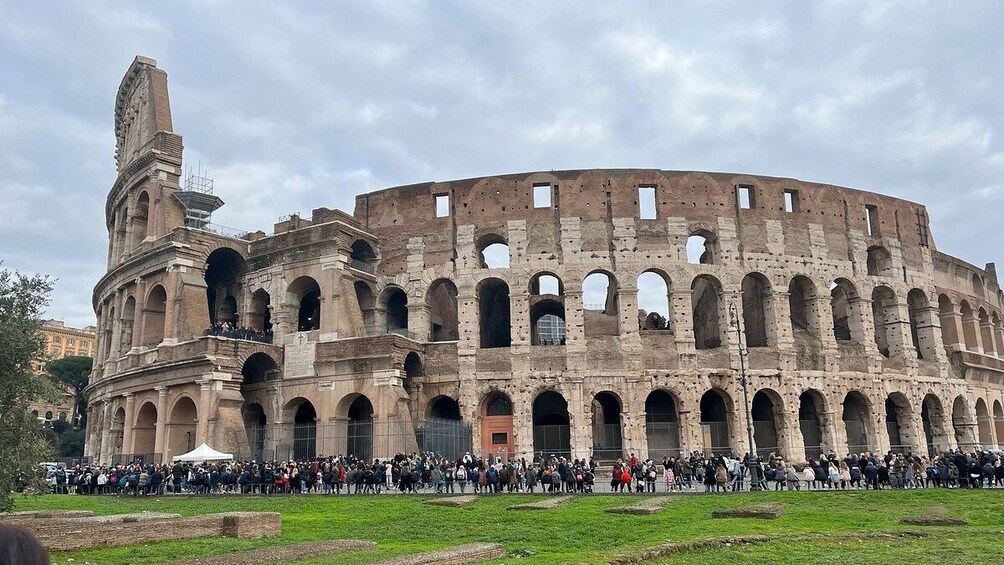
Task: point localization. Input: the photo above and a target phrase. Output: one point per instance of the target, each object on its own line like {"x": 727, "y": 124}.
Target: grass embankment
{"x": 580, "y": 530}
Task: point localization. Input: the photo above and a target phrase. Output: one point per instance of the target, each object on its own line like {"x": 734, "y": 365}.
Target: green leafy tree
{"x": 73, "y": 371}
{"x": 22, "y": 441}
{"x": 71, "y": 443}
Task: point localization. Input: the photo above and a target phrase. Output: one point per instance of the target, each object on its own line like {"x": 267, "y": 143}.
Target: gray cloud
{"x": 295, "y": 107}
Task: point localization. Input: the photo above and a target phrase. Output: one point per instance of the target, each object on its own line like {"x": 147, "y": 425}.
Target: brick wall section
{"x": 68, "y": 531}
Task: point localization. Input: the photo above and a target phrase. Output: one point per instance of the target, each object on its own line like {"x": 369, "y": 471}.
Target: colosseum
{"x": 588, "y": 313}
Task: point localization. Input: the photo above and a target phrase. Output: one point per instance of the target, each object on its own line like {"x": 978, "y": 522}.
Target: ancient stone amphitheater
{"x": 590, "y": 313}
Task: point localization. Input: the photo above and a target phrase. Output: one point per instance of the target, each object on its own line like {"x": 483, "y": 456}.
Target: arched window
{"x": 397, "y": 312}
{"x": 705, "y": 294}
{"x": 305, "y": 293}
{"x": 442, "y": 301}
{"x": 153, "y": 316}
{"x": 884, "y": 312}
{"x": 702, "y": 248}
{"x": 493, "y": 252}
{"x": 600, "y": 310}
{"x": 758, "y": 308}
{"x": 363, "y": 258}
{"x": 879, "y": 262}
{"x": 225, "y": 270}
{"x": 547, "y": 310}
{"x": 654, "y": 301}
{"x": 846, "y": 322}
{"x": 494, "y": 314}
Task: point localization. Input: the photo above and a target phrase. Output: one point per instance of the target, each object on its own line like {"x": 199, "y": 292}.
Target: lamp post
{"x": 751, "y": 457}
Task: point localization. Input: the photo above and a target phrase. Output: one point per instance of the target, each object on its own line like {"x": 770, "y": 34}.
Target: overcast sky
{"x": 291, "y": 108}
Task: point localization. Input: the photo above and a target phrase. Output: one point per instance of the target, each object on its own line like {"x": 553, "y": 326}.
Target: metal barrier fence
{"x": 144, "y": 458}
{"x": 364, "y": 439}
{"x": 608, "y": 444}
{"x": 765, "y": 435}
{"x": 716, "y": 438}
{"x": 552, "y": 440}
{"x": 857, "y": 436}
{"x": 663, "y": 439}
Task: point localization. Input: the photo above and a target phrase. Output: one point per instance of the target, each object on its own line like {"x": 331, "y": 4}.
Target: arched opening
{"x": 181, "y": 427}
{"x": 856, "y": 416}
{"x": 225, "y": 270}
{"x": 304, "y": 429}
{"x": 978, "y": 288}
{"x": 363, "y": 258}
{"x": 921, "y": 324}
{"x": 715, "y": 422}
{"x": 496, "y": 424}
{"x": 443, "y": 408}
{"x": 494, "y": 313}
{"x": 442, "y": 432}
{"x": 654, "y": 301}
{"x": 154, "y": 316}
{"x": 879, "y": 263}
{"x": 999, "y": 422}
{"x": 412, "y": 369}
{"x": 766, "y": 417}
{"x": 145, "y": 432}
{"x": 998, "y": 334}
{"x": 606, "y": 420}
{"x": 397, "y": 311}
{"x": 140, "y": 220}
{"x": 970, "y": 327}
{"x": 884, "y": 315}
{"x": 963, "y": 424}
{"x": 811, "y": 404}
{"x": 846, "y": 325}
{"x": 364, "y": 297}
{"x": 662, "y": 426}
{"x": 600, "y": 311}
{"x": 984, "y": 425}
{"x": 442, "y": 301}
{"x": 305, "y": 293}
{"x": 360, "y": 428}
{"x": 758, "y": 308}
{"x": 126, "y": 326}
{"x": 702, "y": 248}
{"x": 260, "y": 314}
{"x": 897, "y": 422}
{"x": 493, "y": 252}
{"x": 551, "y": 429}
{"x": 705, "y": 293}
{"x": 117, "y": 431}
{"x": 949, "y": 323}
{"x": 932, "y": 417}
{"x": 986, "y": 332}
{"x": 547, "y": 310}
{"x": 802, "y": 307}
{"x": 257, "y": 369}
{"x": 255, "y": 426}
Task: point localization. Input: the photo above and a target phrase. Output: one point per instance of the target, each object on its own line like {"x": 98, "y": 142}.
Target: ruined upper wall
{"x": 599, "y": 196}
{"x": 142, "y": 108}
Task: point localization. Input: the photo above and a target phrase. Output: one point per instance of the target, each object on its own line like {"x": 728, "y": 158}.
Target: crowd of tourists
{"x": 429, "y": 473}
{"x": 227, "y": 329}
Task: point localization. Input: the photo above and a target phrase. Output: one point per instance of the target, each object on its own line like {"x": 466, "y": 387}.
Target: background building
{"x": 61, "y": 341}
{"x": 585, "y": 313}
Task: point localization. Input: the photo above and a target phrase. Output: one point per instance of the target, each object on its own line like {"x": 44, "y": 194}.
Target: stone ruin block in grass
{"x": 273, "y": 554}
{"x": 935, "y": 516}
{"x": 452, "y": 501}
{"x": 765, "y": 511}
{"x": 545, "y": 504}
{"x": 646, "y": 507}
{"x": 458, "y": 555}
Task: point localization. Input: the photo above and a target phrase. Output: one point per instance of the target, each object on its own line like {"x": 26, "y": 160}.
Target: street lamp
{"x": 751, "y": 457}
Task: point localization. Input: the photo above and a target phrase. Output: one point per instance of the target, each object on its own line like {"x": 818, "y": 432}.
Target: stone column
{"x": 419, "y": 324}
{"x": 137, "y": 333}
{"x": 835, "y": 433}
{"x": 581, "y": 431}
{"x": 128, "y": 429}
{"x": 160, "y": 434}
{"x": 627, "y": 298}
{"x": 205, "y": 407}
{"x": 987, "y": 335}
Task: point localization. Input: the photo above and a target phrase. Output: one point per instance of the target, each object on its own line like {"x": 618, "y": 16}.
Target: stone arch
{"x": 255, "y": 428}
{"x": 879, "y": 263}
{"x": 884, "y": 311}
{"x": 362, "y": 257}
{"x": 964, "y": 423}
{"x": 224, "y": 276}
{"x": 662, "y": 424}
{"x": 702, "y": 247}
{"x": 705, "y": 296}
{"x": 932, "y": 416}
{"x": 494, "y": 313}
{"x": 899, "y": 422}
{"x": 413, "y": 368}
{"x": 716, "y": 421}
{"x": 811, "y": 421}
{"x": 493, "y": 252}
{"x": 970, "y": 327}
{"x": 984, "y": 425}
{"x": 141, "y": 219}
{"x": 394, "y": 301}
{"x": 260, "y": 311}
{"x": 305, "y": 294}
{"x": 258, "y": 368}
{"x": 183, "y": 420}
{"x": 145, "y": 431}
{"x": 857, "y": 422}
{"x": 986, "y": 332}
{"x": 949, "y": 318}
{"x": 359, "y": 412}
{"x": 496, "y": 422}
{"x": 304, "y": 417}
{"x": 443, "y": 407}
{"x": 655, "y": 300}
{"x": 608, "y": 436}
{"x": 921, "y": 323}
{"x": 551, "y": 425}
{"x": 547, "y": 310}
{"x": 367, "y": 304}
{"x": 441, "y": 299}
{"x": 846, "y": 321}
{"x": 999, "y": 422}
{"x": 117, "y": 429}
{"x": 127, "y": 325}
{"x": 154, "y": 316}
{"x": 600, "y": 310}
{"x": 802, "y": 307}
{"x": 769, "y": 426}
{"x": 978, "y": 288}
{"x": 758, "y": 310}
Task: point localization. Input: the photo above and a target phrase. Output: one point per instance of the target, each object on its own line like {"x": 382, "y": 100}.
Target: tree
{"x": 73, "y": 371}
{"x": 22, "y": 442}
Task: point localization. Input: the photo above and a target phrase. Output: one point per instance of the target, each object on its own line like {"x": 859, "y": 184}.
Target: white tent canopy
{"x": 204, "y": 453}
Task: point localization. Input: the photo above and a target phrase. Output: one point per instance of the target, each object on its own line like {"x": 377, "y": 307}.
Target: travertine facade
{"x": 860, "y": 335}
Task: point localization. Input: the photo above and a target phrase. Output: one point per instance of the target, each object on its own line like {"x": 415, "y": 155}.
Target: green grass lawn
{"x": 580, "y": 531}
